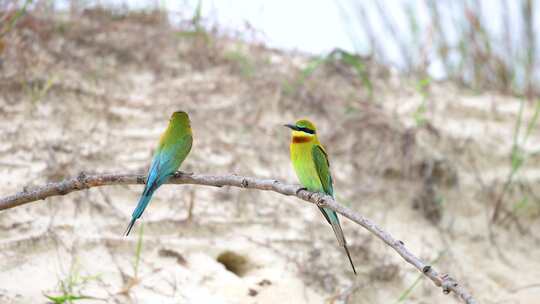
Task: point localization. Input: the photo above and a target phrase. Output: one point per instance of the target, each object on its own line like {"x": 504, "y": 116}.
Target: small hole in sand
{"x": 234, "y": 262}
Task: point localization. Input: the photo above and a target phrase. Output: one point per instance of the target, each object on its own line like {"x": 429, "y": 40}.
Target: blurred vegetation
{"x": 459, "y": 37}
{"x": 475, "y": 49}
{"x": 10, "y": 16}
{"x": 518, "y": 156}
{"x": 336, "y": 57}
{"x": 72, "y": 286}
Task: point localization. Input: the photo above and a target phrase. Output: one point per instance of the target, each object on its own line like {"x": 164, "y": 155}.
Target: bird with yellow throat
{"x": 310, "y": 161}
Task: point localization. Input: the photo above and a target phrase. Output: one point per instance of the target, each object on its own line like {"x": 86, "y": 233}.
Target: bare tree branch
{"x": 83, "y": 181}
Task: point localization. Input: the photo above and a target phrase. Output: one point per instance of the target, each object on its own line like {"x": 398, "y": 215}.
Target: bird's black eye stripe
{"x": 309, "y": 131}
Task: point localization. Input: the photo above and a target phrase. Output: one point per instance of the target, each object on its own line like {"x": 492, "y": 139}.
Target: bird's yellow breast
{"x": 303, "y": 163}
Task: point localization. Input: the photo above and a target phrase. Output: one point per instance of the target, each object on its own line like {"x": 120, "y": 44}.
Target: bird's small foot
{"x": 182, "y": 173}
{"x": 245, "y": 183}
{"x": 300, "y": 189}
{"x": 82, "y": 175}
{"x": 320, "y": 202}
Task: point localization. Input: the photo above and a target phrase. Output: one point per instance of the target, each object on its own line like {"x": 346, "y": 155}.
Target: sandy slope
{"x": 114, "y": 83}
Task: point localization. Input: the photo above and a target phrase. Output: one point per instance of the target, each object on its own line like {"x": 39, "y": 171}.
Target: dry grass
{"x": 461, "y": 37}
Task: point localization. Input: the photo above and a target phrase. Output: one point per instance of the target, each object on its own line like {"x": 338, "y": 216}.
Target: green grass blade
{"x": 533, "y": 121}
{"x": 409, "y": 290}
{"x": 138, "y": 251}
{"x": 15, "y": 18}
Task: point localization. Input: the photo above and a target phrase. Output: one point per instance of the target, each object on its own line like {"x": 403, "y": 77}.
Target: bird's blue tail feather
{"x": 143, "y": 202}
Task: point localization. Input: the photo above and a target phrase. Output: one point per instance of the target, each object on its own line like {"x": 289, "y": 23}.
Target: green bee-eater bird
{"x": 310, "y": 162}
{"x": 174, "y": 146}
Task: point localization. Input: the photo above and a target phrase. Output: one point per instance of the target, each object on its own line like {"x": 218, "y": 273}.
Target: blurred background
{"x": 428, "y": 110}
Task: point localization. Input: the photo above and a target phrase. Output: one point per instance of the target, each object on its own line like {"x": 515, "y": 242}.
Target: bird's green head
{"x": 180, "y": 119}
{"x": 303, "y": 128}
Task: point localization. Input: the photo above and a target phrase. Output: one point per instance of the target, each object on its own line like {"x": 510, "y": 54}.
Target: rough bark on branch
{"x": 83, "y": 181}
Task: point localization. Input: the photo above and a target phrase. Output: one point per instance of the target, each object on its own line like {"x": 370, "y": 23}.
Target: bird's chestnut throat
{"x": 301, "y": 139}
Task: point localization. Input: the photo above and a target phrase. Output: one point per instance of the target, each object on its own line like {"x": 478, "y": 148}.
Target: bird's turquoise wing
{"x": 153, "y": 174}
{"x": 166, "y": 162}
{"x": 323, "y": 169}
{"x": 173, "y": 155}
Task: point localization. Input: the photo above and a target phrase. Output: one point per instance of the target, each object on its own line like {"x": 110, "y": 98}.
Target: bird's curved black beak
{"x": 291, "y": 127}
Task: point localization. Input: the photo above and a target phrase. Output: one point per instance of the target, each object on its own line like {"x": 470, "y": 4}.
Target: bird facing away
{"x": 310, "y": 162}
{"x": 174, "y": 146}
